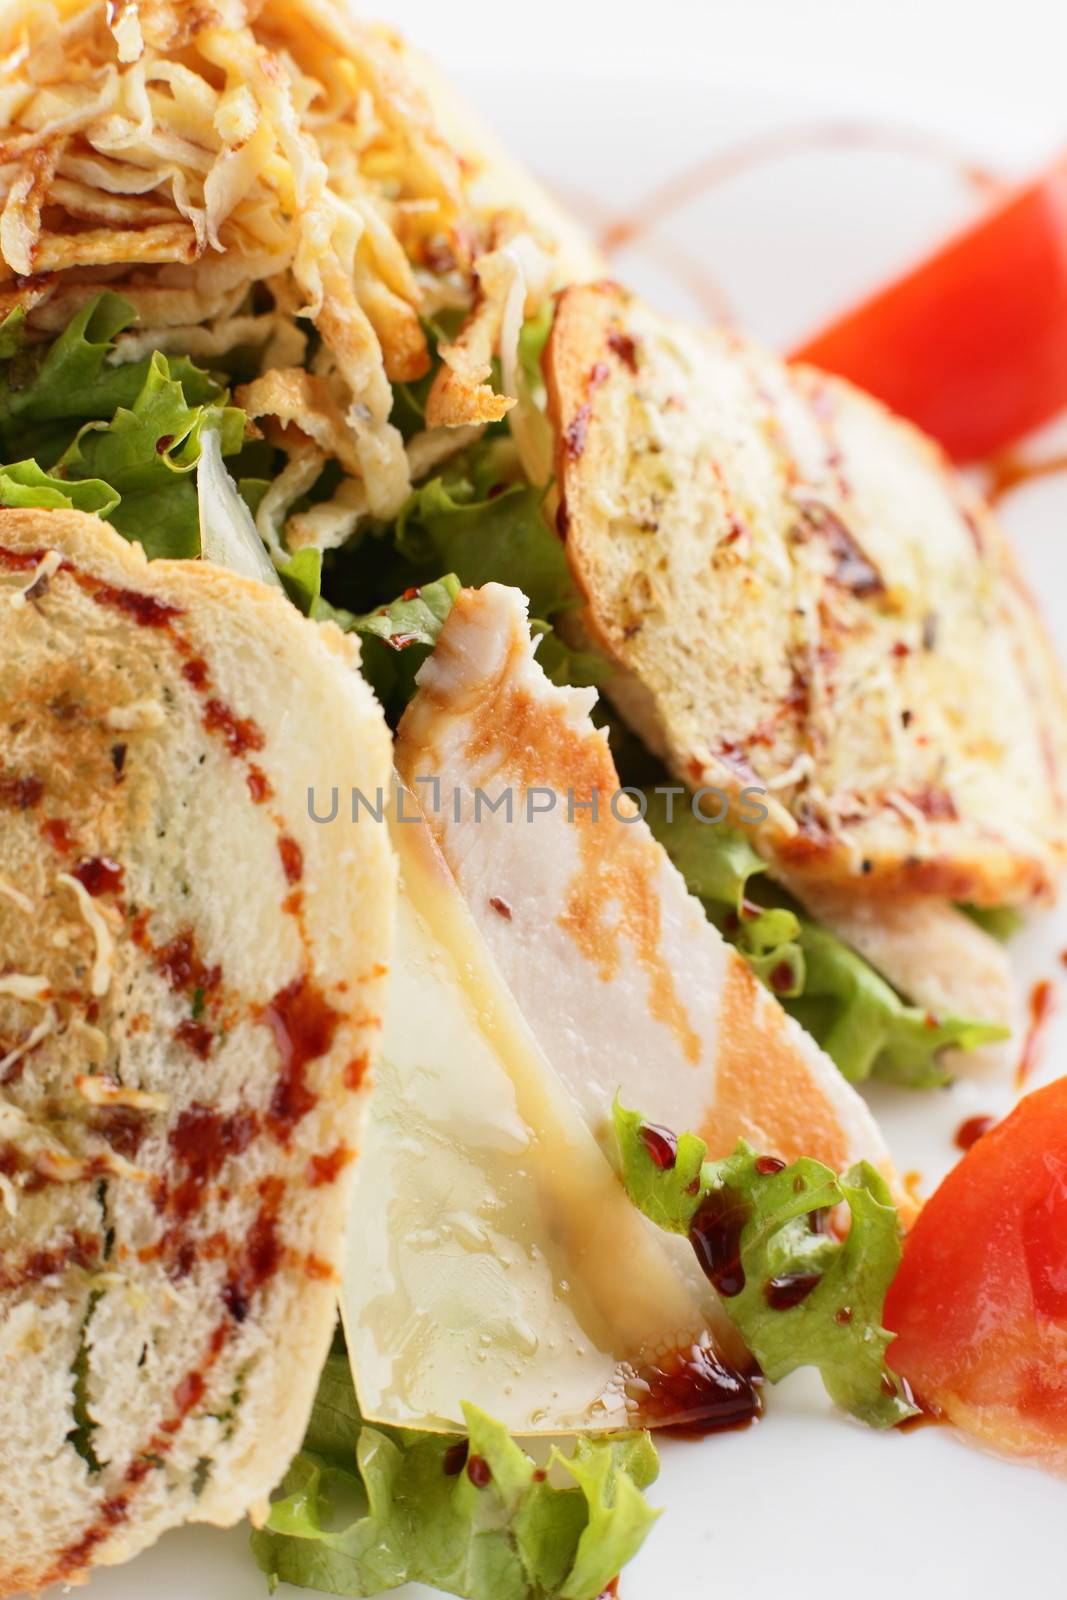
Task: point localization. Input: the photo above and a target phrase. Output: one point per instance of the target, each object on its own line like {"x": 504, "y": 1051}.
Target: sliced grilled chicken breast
{"x": 798, "y": 593}
{"x": 191, "y": 989}
{"x": 625, "y": 983}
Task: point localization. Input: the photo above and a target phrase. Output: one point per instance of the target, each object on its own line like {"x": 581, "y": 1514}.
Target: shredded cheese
{"x": 22, "y": 986}
{"x": 103, "y": 960}
{"x": 100, "y": 1090}
{"x": 140, "y": 714}
{"x": 48, "y": 565}
{"x": 16, "y": 896}
{"x": 211, "y": 140}
{"x": 46, "y": 1026}
{"x": 59, "y": 1166}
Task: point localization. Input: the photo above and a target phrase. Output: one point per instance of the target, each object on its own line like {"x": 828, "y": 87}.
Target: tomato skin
{"x": 971, "y": 344}
{"x": 979, "y": 1304}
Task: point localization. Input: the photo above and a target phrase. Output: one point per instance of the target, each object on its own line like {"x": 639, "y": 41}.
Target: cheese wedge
{"x": 492, "y": 1254}
{"x": 625, "y": 983}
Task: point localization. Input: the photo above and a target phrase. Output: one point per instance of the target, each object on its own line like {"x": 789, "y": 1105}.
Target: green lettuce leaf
{"x": 858, "y": 1018}
{"x": 301, "y": 575}
{"x": 148, "y": 452}
{"x": 24, "y": 483}
{"x": 476, "y": 522}
{"x": 501, "y": 537}
{"x": 397, "y": 636}
{"x": 365, "y": 1509}
{"x": 47, "y": 390}
{"x": 12, "y": 333}
{"x": 1000, "y": 922}
{"x": 533, "y": 336}
{"x": 129, "y": 434}
{"x": 416, "y": 617}
{"x": 564, "y": 665}
{"x": 771, "y": 1223}
{"x": 716, "y": 861}
{"x": 864, "y": 1024}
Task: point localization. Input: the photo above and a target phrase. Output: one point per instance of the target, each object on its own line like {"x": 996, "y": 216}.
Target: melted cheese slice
{"x": 492, "y": 1254}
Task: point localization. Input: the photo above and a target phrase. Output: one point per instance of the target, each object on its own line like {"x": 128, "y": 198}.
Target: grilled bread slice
{"x": 191, "y": 982}
{"x": 625, "y": 983}
{"x": 799, "y": 594}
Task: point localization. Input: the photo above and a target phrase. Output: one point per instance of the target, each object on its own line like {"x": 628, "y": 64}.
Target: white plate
{"x": 805, "y": 1503}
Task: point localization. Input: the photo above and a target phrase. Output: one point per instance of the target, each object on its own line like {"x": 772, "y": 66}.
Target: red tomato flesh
{"x": 971, "y": 344}
{"x": 979, "y": 1305}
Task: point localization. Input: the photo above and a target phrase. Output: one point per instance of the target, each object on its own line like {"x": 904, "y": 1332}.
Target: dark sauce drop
{"x": 181, "y": 964}
{"x": 202, "y": 1141}
{"x": 239, "y": 734}
{"x": 455, "y": 1458}
{"x": 196, "y": 1036}
{"x": 327, "y": 1167}
{"x": 195, "y": 671}
{"x": 261, "y": 1252}
{"x": 971, "y": 1131}
{"x": 259, "y": 786}
{"x": 21, "y": 794}
{"x": 660, "y": 1143}
{"x": 145, "y": 609}
{"x": 99, "y": 875}
{"x": 715, "y": 1234}
{"x": 292, "y": 858}
{"x": 927, "y": 1414}
{"x": 693, "y": 1392}
{"x": 303, "y": 1024}
{"x": 57, "y": 831}
{"x": 479, "y": 1471}
{"x": 576, "y": 432}
{"x": 624, "y": 346}
{"x": 781, "y": 977}
{"x": 767, "y": 1166}
{"x": 1042, "y": 1006}
{"x": 782, "y": 1294}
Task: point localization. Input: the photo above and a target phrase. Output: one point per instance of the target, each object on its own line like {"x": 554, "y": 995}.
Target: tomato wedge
{"x": 979, "y": 1305}
{"x": 972, "y": 343}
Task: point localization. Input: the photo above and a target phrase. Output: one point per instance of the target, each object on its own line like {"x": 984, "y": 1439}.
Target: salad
{"x": 455, "y": 874}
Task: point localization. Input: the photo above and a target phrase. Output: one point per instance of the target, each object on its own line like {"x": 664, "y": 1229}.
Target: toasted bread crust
{"x": 799, "y": 593}
{"x": 191, "y": 997}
